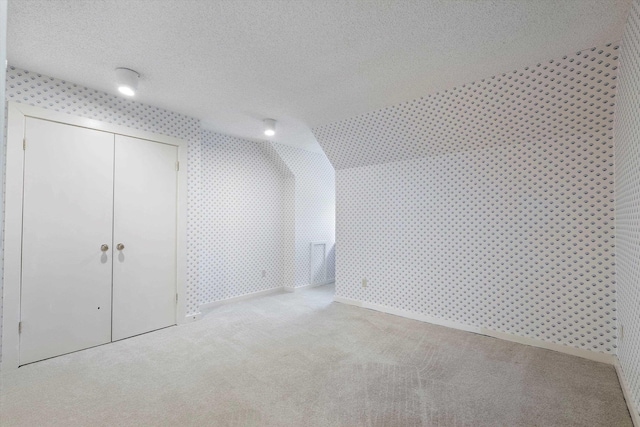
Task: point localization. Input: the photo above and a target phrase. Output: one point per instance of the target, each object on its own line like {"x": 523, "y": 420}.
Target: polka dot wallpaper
{"x": 627, "y": 146}
{"x": 314, "y": 182}
{"x": 490, "y": 204}
{"x": 243, "y": 212}
{"x": 289, "y": 235}
{"x": 263, "y": 203}
{"x": 565, "y": 98}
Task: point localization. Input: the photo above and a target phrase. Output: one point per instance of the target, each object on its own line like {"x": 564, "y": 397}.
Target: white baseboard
{"x": 310, "y": 285}
{"x": 596, "y": 356}
{"x": 192, "y": 318}
{"x": 635, "y": 412}
{"x": 213, "y": 304}
{"x": 349, "y": 301}
{"x": 586, "y": 354}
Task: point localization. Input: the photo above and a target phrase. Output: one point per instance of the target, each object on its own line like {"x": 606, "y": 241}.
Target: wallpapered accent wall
{"x": 314, "y": 208}
{"x": 627, "y": 146}
{"x": 490, "y": 204}
{"x": 565, "y": 98}
{"x": 262, "y": 205}
{"x": 243, "y": 217}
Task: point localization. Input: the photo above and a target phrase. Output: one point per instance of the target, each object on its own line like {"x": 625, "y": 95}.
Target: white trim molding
{"x": 312, "y": 245}
{"x": 213, "y": 304}
{"x": 17, "y": 114}
{"x": 626, "y": 391}
{"x": 307, "y": 286}
{"x": 194, "y": 317}
{"x": 586, "y": 354}
{"x": 288, "y": 289}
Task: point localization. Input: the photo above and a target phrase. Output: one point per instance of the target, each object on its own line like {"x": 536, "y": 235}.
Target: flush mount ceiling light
{"x": 127, "y": 81}
{"x": 269, "y": 127}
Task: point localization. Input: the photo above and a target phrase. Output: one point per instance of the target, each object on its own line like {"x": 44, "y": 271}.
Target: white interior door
{"x": 67, "y": 217}
{"x": 145, "y": 214}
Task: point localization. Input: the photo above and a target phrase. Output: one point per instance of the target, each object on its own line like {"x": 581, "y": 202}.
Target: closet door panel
{"x": 145, "y": 215}
{"x": 67, "y": 217}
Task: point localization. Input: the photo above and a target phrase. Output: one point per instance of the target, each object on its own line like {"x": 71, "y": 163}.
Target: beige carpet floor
{"x": 302, "y": 360}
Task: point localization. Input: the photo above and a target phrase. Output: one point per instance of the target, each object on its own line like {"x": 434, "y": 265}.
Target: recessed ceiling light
{"x": 269, "y": 127}
{"x": 126, "y": 90}
{"x": 127, "y": 81}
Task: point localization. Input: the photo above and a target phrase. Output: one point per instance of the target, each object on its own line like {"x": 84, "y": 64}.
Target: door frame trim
{"x": 17, "y": 114}
{"x": 324, "y": 262}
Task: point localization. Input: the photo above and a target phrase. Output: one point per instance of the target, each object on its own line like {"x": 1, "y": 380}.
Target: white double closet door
{"x": 99, "y": 238}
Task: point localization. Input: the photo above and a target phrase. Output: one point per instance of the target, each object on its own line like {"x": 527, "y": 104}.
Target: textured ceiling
{"x": 305, "y": 63}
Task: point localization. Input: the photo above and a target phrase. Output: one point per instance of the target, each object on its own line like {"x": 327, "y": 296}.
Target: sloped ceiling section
{"x": 569, "y": 98}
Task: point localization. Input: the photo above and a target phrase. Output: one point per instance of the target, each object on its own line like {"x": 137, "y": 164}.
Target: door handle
{"x": 119, "y": 246}
{"x": 104, "y": 248}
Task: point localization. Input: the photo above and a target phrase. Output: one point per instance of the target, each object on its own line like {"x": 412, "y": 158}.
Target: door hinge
{"x": 24, "y": 143}
{"x": 176, "y": 298}
{"x": 177, "y": 166}
{"x": 19, "y": 327}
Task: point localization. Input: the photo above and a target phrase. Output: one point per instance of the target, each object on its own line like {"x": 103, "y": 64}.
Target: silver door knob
{"x": 120, "y": 246}
{"x": 104, "y": 248}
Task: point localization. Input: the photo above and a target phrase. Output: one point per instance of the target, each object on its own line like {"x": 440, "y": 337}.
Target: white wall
{"x": 627, "y": 146}
{"x": 314, "y": 207}
{"x": 489, "y": 205}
